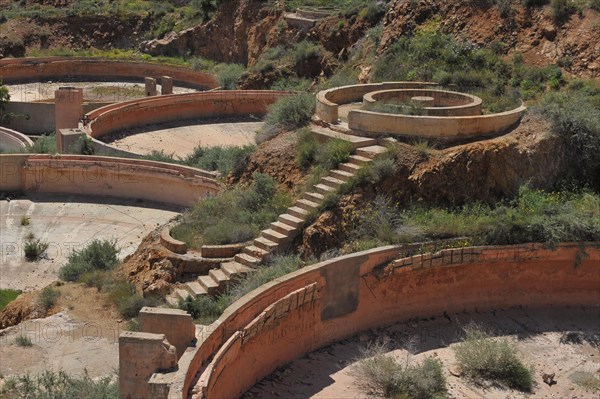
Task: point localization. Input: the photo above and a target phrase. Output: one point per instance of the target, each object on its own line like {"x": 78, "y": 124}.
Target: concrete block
{"x": 150, "y": 86}
{"x": 166, "y": 85}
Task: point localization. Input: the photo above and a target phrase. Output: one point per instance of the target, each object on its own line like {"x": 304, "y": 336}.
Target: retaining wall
{"x": 106, "y": 176}
{"x": 376, "y": 124}
{"x": 332, "y": 300}
{"x": 11, "y": 140}
{"x": 329, "y": 100}
{"x": 37, "y": 118}
{"x": 177, "y": 107}
{"x": 56, "y": 68}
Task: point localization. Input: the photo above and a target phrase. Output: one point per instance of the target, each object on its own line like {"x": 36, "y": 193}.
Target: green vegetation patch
{"x": 59, "y": 385}
{"x": 394, "y": 379}
{"x": 98, "y": 255}
{"x": 7, "y": 296}
{"x": 233, "y": 216}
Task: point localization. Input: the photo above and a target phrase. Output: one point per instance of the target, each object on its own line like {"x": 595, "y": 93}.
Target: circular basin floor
{"x": 564, "y": 341}
{"x": 67, "y": 223}
{"x": 180, "y": 139}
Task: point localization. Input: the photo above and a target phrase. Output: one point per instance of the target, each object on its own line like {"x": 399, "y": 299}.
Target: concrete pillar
{"x": 176, "y": 324}
{"x": 68, "y": 111}
{"x": 140, "y": 356}
{"x": 150, "y": 84}
{"x": 166, "y": 85}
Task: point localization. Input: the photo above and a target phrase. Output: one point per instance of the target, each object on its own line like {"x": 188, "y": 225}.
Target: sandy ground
{"x": 82, "y": 335}
{"x": 180, "y": 139}
{"x": 92, "y": 91}
{"x": 538, "y": 333}
{"x": 67, "y": 223}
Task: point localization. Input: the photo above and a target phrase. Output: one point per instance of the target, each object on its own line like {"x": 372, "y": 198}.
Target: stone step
{"x": 341, "y": 174}
{"x": 234, "y": 269}
{"x": 298, "y": 212}
{"x": 314, "y": 197}
{"x": 219, "y": 276}
{"x": 195, "y": 289}
{"x": 247, "y": 260}
{"x": 255, "y": 251}
{"x": 371, "y": 151}
{"x": 324, "y": 134}
{"x": 323, "y": 189}
{"x": 283, "y": 228}
{"x": 332, "y": 182}
{"x": 290, "y": 220}
{"x": 265, "y": 244}
{"x": 275, "y": 236}
{"x": 307, "y": 205}
{"x": 358, "y": 160}
{"x": 210, "y": 285}
{"x": 349, "y": 167}
{"x": 180, "y": 293}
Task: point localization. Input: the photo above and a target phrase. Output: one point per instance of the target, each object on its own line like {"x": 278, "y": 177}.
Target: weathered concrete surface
{"x": 180, "y": 140}
{"x": 67, "y": 223}
{"x": 176, "y": 324}
{"x": 11, "y": 140}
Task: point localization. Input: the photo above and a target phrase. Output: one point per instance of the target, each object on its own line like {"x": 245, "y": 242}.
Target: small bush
{"x": 333, "y": 152}
{"x": 562, "y": 10}
{"x": 588, "y": 381}
{"x": 98, "y": 255}
{"x": 394, "y": 379}
{"x": 289, "y": 113}
{"x": 45, "y": 144}
{"x": 228, "y": 75}
{"x": 34, "y": 249}
{"x": 23, "y": 341}
{"x": 306, "y": 149}
{"x": 128, "y": 301}
{"x": 83, "y": 146}
{"x": 218, "y": 158}
{"x": 595, "y": 5}
{"x": 483, "y": 358}
{"x": 25, "y": 220}
{"x": 48, "y": 298}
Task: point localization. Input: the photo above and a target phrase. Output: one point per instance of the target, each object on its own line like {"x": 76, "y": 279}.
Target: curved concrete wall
{"x": 106, "y": 176}
{"x": 444, "y": 103}
{"x": 11, "y": 140}
{"x": 332, "y": 300}
{"x": 177, "y": 107}
{"x": 56, "y": 68}
{"x": 375, "y": 124}
{"x": 329, "y": 100}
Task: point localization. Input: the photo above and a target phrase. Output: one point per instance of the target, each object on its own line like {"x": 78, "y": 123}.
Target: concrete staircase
{"x": 281, "y": 232}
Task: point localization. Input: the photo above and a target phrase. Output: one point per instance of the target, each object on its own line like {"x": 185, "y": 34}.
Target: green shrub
{"x": 333, "y": 152}
{"x": 575, "y": 116}
{"x": 288, "y": 113}
{"x": 221, "y": 159}
{"x": 128, "y": 301}
{"x": 98, "y": 255}
{"x": 394, "y": 379}
{"x": 595, "y": 5}
{"x": 59, "y": 385}
{"x": 7, "y": 296}
{"x": 306, "y": 148}
{"x": 25, "y": 220}
{"x": 23, "y": 341}
{"x": 562, "y": 10}
{"x": 45, "y": 144}
{"x": 48, "y": 298}
{"x": 305, "y": 50}
{"x": 228, "y": 75}
{"x": 589, "y": 381}
{"x": 34, "y": 249}
{"x": 83, "y": 146}
{"x": 483, "y": 358}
